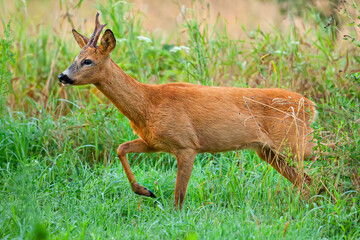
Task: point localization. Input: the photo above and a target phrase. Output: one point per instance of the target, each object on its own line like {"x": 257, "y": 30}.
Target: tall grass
{"x": 6, "y": 60}
{"x": 60, "y": 177}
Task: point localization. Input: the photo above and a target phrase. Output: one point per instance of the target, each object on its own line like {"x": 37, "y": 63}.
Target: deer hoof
{"x": 151, "y": 194}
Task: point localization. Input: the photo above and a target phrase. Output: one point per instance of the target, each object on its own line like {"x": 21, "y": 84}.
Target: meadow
{"x": 60, "y": 177}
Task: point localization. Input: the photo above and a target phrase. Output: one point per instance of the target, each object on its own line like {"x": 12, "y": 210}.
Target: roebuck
{"x": 187, "y": 119}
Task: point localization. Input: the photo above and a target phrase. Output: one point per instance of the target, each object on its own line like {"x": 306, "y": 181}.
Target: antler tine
{"x": 98, "y": 34}
{"x": 97, "y": 31}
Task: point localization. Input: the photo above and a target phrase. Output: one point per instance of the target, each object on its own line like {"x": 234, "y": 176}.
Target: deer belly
{"x": 228, "y": 134}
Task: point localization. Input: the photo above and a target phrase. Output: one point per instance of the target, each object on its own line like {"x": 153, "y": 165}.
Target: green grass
{"x": 60, "y": 176}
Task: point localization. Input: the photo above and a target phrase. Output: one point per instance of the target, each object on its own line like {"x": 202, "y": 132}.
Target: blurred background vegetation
{"x": 59, "y": 172}
{"x": 245, "y": 43}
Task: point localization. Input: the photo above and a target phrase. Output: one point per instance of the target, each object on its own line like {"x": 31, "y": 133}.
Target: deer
{"x": 186, "y": 119}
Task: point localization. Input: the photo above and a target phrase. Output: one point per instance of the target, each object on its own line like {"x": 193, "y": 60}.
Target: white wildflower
{"x": 144, "y": 39}
{"x": 281, "y": 52}
{"x": 119, "y": 40}
{"x": 243, "y": 65}
{"x": 180, "y": 48}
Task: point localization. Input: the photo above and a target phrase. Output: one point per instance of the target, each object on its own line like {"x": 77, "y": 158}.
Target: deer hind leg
{"x": 136, "y": 146}
{"x": 309, "y": 152}
{"x": 283, "y": 168}
{"x": 185, "y": 163}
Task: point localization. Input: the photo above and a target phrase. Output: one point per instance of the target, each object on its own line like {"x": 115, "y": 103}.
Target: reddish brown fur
{"x": 187, "y": 119}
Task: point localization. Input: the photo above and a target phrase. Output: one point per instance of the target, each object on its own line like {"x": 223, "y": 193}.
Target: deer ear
{"x": 108, "y": 42}
{"x": 80, "y": 39}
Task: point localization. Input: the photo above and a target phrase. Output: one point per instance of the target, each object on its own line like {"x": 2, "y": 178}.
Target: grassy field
{"x": 60, "y": 176}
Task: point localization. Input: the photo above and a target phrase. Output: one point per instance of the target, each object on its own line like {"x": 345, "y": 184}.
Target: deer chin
{"x": 77, "y": 83}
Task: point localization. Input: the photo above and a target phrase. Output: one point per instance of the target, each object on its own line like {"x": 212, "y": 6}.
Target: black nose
{"x": 63, "y": 78}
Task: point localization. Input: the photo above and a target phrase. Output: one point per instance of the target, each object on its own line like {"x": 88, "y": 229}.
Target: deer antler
{"x": 97, "y": 31}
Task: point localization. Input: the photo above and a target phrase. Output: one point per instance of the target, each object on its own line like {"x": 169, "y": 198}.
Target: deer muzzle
{"x": 64, "y": 79}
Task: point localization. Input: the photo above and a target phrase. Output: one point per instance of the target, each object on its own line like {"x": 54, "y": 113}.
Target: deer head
{"x": 92, "y": 63}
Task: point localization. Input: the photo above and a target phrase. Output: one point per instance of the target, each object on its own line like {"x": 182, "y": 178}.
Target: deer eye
{"x": 87, "y": 62}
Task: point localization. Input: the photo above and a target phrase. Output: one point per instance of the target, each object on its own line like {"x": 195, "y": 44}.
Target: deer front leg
{"x": 136, "y": 146}
{"x": 283, "y": 168}
{"x": 185, "y": 162}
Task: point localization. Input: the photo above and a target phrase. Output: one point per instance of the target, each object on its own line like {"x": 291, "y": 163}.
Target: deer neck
{"x": 127, "y": 94}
